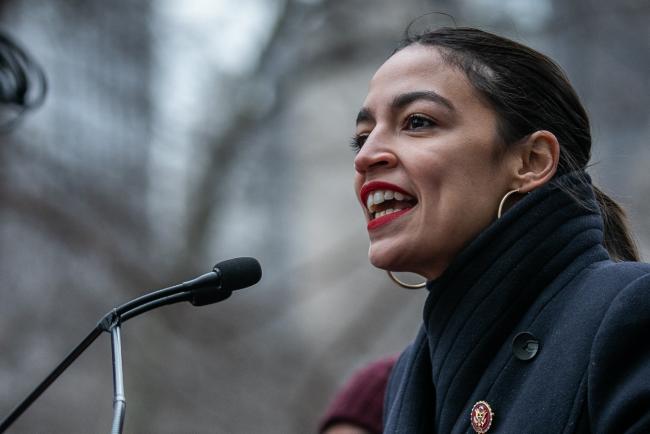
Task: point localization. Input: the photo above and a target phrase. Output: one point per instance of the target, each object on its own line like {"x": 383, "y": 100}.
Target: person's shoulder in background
{"x": 357, "y": 407}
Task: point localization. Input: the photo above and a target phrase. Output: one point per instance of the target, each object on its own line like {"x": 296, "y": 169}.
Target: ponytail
{"x": 618, "y": 239}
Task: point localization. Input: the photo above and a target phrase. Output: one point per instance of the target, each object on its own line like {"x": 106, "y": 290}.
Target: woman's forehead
{"x": 419, "y": 68}
{"x": 415, "y": 58}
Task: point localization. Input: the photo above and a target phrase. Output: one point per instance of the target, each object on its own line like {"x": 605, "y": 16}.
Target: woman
{"x": 470, "y": 169}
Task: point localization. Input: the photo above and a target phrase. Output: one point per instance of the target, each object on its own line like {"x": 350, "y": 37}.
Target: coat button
{"x": 525, "y": 346}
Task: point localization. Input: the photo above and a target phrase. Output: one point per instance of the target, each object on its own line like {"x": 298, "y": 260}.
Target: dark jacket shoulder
{"x": 619, "y": 365}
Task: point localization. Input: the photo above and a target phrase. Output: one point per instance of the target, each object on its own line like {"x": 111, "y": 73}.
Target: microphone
{"x": 232, "y": 274}
{"x": 217, "y": 285}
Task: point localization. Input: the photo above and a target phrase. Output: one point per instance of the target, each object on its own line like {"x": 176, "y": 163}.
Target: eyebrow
{"x": 365, "y": 116}
{"x": 402, "y": 100}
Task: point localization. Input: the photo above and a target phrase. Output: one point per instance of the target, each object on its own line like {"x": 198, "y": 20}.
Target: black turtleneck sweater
{"x": 533, "y": 318}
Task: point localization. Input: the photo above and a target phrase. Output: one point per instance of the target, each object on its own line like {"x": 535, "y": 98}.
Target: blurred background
{"x": 176, "y": 134}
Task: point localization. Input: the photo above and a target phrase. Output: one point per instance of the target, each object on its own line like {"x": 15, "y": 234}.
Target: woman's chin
{"x": 393, "y": 259}
{"x": 386, "y": 259}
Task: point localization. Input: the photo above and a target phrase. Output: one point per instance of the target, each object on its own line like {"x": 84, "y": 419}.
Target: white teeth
{"x": 379, "y": 196}
{"x": 386, "y": 212}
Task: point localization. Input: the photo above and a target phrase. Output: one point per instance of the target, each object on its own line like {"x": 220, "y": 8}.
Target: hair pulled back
{"x": 529, "y": 92}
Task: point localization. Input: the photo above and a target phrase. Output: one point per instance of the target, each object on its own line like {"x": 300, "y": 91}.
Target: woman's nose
{"x": 374, "y": 154}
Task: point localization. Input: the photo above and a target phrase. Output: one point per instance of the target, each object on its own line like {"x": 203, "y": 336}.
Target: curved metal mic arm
{"x": 207, "y": 280}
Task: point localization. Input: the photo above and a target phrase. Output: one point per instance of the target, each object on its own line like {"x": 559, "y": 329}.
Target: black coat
{"x": 536, "y": 320}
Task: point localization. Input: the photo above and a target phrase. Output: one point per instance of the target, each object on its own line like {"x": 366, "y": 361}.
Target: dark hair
{"x": 529, "y": 92}
{"x": 22, "y": 83}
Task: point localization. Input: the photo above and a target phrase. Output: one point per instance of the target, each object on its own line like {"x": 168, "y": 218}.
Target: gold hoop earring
{"x": 503, "y": 201}
{"x": 403, "y": 284}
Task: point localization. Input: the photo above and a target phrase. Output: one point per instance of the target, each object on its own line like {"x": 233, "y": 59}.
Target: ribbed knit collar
{"x": 473, "y": 308}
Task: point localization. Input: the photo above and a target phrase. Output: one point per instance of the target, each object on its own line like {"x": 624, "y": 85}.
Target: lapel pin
{"x": 481, "y": 417}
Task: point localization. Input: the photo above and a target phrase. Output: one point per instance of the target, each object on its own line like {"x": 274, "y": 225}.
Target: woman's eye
{"x": 415, "y": 122}
{"x": 357, "y": 141}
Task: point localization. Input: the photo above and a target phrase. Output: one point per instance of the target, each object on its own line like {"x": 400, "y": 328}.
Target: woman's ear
{"x": 537, "y": 159}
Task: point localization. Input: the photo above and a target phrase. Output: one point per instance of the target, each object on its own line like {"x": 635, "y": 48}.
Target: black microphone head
{"x": 238, "y": 273}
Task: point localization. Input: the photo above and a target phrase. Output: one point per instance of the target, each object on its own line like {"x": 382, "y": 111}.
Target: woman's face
{"x": 429, "y": 159}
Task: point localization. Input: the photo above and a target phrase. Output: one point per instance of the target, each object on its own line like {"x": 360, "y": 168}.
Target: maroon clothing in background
{"x": 361, "y": 400}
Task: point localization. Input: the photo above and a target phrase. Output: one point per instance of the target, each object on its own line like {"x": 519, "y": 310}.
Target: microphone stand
{"x": 119, "y": 401}
{"x": 111, "y": 323}
{"x": 76, "y": 352}
{"x": 212, "y": 287}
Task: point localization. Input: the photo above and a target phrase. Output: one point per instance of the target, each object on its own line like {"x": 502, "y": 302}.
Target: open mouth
{"x": 385, "y": 202}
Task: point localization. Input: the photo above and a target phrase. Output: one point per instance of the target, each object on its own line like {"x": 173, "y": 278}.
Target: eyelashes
{"x": 415, "y": 122}
{"x": 418, "y": 122}
{"x": 357, "y": 141}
